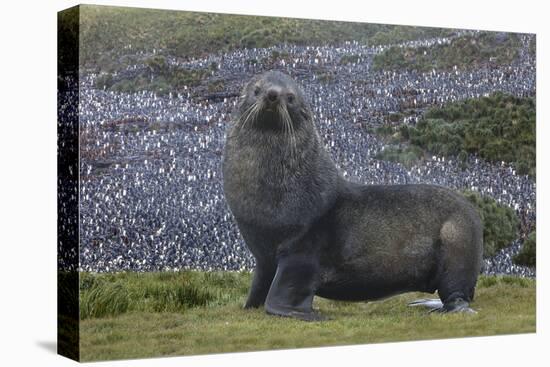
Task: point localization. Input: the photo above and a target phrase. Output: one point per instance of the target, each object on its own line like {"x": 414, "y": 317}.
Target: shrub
{"x": 385, "y": 130}
{"x": 500, "y": 223}
{"x": 349, "y": 59}
{"x": 528, "y": 254}
{"x": 497, "y": 128}
{"x": 104, "y": 81}
{"x": 408, "y": 156}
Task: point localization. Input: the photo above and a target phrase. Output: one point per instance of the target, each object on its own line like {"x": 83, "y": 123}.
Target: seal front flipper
{"x": 291, "y": 293}
{"x": 263, "y": 277}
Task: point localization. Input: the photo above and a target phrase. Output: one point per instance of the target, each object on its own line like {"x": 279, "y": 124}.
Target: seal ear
{"x": 241, "y": 100}
{"x": 245, "y": 91}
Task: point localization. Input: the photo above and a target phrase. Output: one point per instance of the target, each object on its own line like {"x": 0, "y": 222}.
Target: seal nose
{"x": 272, "y": 95}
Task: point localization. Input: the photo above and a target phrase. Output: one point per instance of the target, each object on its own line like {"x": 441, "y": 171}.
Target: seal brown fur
{"x": 314, "y": 233}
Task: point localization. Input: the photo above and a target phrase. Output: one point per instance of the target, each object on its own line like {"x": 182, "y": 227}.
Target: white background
{"x": 28, "y": 182}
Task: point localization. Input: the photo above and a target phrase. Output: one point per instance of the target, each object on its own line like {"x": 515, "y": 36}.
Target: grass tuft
{"x": 103, "y": 295}
{"x": 107, "y": 299}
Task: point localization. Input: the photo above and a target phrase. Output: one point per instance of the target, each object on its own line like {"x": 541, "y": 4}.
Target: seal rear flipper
{"x": 435, "y": 305}
{"x": 291, "y": 293}
{"x": 456, "y": 305}
{"x": 431, "y": 303}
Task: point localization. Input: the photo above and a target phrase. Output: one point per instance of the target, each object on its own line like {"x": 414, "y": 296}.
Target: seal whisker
{"x": 253, "y": 115}
{"x": 242, "y": 118}
{"x": 286, "y": 125}
{"x": 246, "y": 116}
{"x": 292, "y": 133}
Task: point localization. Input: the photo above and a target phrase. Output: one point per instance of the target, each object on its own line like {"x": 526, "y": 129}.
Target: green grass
{"x": 107, "y": 32}
{"x": 466, "y": 52}
{"x": 505, "y": 305}
{"x": 498, "y": 128}
{"x": 113, "y": 294}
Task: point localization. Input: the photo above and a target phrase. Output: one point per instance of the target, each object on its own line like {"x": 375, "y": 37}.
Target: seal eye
{"x": 290, "y": 98}
{"x": 257, "y": 91}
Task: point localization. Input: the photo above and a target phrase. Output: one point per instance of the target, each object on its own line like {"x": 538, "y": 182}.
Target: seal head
{"x": 276, "y": 172}
{"x": 272, "y": 101}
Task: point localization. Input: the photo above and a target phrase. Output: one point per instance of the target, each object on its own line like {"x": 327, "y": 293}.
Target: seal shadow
{"x": 48, "y": 345}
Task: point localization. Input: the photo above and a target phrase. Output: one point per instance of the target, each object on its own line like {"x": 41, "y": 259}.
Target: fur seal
{"x": 314, "y": 233}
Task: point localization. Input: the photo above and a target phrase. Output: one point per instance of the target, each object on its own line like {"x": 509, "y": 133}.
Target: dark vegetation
{"x": 408, "y": 155}
{"x": 497, "y": 128}
{"x": 533, "y": 47}
{"x": 500, "y": 222}
{"x": 349, "y": 59}
{"x": 528, "y": 253}
{"x": 469, "y": 51}
{"x": 158, "y": 76}
{"x": 112, "y": 37}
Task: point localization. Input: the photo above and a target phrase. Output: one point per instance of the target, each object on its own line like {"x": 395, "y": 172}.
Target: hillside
{"x": 465, "y": 52}
{"x": 113, "y": 36}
